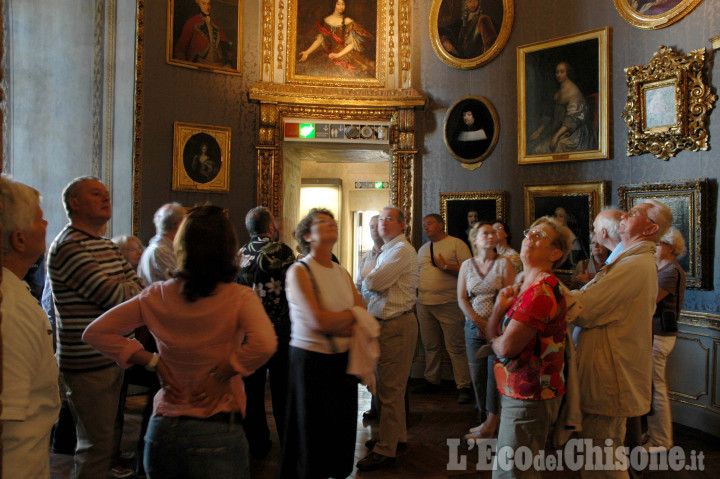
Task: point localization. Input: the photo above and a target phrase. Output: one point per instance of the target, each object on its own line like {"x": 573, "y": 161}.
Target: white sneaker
{"x": 476, "y": 438}
{"x": 476, "y": 428}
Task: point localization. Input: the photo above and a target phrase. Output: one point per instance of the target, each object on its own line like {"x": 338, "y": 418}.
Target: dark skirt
{"x": 321, "y": 417}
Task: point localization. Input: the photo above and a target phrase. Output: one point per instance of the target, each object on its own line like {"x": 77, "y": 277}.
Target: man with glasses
{"x": 615, "y": 345}
{"x": 392, "y": 291}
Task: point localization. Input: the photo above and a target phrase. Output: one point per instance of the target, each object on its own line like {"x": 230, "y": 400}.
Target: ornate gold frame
{"x": 380, "y": 52}
{"x": 596, "y": 193}
{"x": 138, "y": 113}
{"x": 181, "y": 179}
{"x": 278, "y": 102}
{"x": 499, "y": 197}
{"x": 198, "y": 66}
{"x": 653, "y": 22}
{"x": 473, "y": 163}
{"x": 486, "y": 57}
{"x": 688, "y": 199}
{"x": 603, "y": 100}
{"x": 693, "y": 102}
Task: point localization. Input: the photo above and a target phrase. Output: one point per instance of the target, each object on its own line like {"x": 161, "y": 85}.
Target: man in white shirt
{"x": 614, "y": 351}
{"x": 30, "y": 396}
{"x": 391, "y": 288}
{"x": 367, "y": 263}
{"x": 439, "y": 315}
{"x": 159, "y": 258}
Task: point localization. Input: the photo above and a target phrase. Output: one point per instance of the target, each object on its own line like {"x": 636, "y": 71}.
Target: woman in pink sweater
{"x": 210, "y": 333}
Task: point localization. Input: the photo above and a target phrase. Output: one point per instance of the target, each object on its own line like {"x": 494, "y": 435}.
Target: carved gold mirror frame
{"x": 668, "y": 104}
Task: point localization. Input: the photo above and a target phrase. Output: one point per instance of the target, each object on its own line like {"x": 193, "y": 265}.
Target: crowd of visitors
{"x": 204, "y": 324}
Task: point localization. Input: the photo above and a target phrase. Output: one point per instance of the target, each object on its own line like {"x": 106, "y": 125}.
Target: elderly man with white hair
{"x": 158, "y": 260}
{"x": 614, "y": 350}
{"x": 30, "y": 396}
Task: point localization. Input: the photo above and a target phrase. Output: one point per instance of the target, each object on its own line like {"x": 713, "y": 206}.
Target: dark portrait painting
{"x": 202, "y": 157}
{"x": 205, "y": 34}
{"x": 574, "y": 212}
{"x": 457, "y": 223}
{"x": 471, "y": 129}
{"x": 469, "y": 28}
{"x": 336, "y": 38}
{"x": 562, "y": 98}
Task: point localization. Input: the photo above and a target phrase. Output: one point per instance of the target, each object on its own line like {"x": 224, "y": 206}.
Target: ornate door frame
{"x": 278, "y": 103}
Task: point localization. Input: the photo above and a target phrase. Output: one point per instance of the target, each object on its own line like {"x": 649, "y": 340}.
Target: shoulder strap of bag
{"x": 319, "y": 300}
{"x": 432, "y": 254}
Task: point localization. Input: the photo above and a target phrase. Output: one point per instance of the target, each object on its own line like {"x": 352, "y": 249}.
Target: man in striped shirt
{"x": 88, "y": 276}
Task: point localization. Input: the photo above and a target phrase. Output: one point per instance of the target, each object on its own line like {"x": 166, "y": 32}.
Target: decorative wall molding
{"x": 137, "y": 128}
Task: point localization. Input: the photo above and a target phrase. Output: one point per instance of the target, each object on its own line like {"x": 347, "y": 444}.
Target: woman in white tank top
{"x": 322, "y": 399}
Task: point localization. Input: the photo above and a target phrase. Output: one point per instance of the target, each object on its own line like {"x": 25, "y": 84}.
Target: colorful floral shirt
{"x": 263, "y": 264}
{"x": 537, "y": 372}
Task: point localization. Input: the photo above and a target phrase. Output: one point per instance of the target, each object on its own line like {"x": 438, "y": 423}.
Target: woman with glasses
{"x": 671, "y": 293}
{"x": 503, "y": 247}
{"x": 321, "y": 419}
{"x": 479, "y": 280}
{"x": 528, "y": 329}
{"x": 210, "y": 332}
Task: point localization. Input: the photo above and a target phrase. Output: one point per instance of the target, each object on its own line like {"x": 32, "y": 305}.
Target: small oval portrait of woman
{"x": 202, "y": 157}
{"x": 471, "y": 129}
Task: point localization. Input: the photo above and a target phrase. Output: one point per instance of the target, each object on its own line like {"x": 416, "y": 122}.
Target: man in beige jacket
{"x": 615, "y": 346}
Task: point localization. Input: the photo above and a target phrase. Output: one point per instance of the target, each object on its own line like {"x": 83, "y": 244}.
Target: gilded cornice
{"x": 265, "y": 92}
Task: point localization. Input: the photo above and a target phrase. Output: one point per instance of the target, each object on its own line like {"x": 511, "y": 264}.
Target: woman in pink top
{"x": 210, "y": 333}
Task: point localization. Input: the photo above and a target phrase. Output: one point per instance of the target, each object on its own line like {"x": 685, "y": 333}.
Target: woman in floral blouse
{"x": 528, "y": 327}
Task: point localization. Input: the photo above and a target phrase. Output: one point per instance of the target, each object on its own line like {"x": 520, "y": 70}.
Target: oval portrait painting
{"x": 202, "y": 157}
{"x": 471, "y": 129}
{"x": 467, "y": 34}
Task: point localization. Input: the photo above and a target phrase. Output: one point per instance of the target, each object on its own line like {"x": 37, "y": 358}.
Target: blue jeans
{"x": 482, "y": 371}
{"x": 189, "y": 448}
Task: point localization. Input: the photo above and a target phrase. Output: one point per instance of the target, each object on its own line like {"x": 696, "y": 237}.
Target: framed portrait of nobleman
{"x": 205, "y": 35}
{"x": 201, "y": 158}
{"x": 467, "y": 34}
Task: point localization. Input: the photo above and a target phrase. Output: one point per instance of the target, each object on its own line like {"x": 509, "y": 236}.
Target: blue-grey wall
{"x": 539, "y": 20}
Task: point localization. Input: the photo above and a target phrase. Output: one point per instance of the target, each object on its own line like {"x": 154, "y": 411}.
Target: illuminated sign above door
{"x": 336, "y": 132}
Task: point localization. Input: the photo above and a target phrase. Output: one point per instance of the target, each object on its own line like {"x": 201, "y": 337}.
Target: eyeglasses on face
{"x": 536, "y": 235}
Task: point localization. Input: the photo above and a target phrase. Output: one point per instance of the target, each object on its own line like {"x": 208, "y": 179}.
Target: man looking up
{"x": 616, "y": 321}
{"x": 158, "y": 260}
{"x": 391, "y": 288}
{"x": 88, "y": 276}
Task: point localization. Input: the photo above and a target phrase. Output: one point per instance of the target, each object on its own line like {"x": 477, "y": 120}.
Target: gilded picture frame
{"x": 316, "y": 43}
{"x": 668, "y": 104}
{"x": 471, "y": 130}
{"x": 688, "y": 200}
{"x": 579, "y": 201}
{"x": 654, "y": 14}
{"x": 495, "y": 19}
{"x": 563, "y": 101}
{"x": 191, "y": 44}
{"x": 201, "y": 158}
{"x": 454, "y": 208}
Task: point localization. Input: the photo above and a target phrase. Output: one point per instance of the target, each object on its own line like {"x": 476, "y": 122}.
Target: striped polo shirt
{"x": 88, "y": 276}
